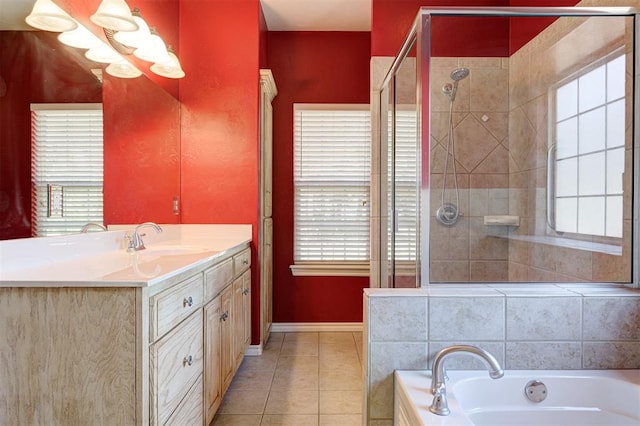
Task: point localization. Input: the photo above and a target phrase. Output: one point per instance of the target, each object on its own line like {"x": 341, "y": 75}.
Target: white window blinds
{"x": 66, "y": 167}
{"x": 406, "y": 184}
{"x": 331, "y": 179}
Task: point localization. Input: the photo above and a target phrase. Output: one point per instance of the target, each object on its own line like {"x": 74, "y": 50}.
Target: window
{"x": 589, "y": 128}
{"x": 331, "y": 184}
{"x": 66, "y": 167}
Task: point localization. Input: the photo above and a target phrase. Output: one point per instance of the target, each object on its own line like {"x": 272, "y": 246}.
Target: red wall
{"x": 219, "y": 50}
{"x": 391, "y": 20}
{"x": 310, "y": 67}
{"x": 36, "y": 68}
{"x": 457, "y": 36}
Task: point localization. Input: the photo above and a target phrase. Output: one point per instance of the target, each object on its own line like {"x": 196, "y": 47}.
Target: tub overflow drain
{"x": 536, "y": 391}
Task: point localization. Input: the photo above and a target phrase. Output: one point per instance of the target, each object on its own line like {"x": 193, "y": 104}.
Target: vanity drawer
{"x": 241, "y": 262}
{"x": 176, "y": 363}
{"x": 191, "y": 409}
{"x": 217, "y": 278}
{"x": 175, "y": 304}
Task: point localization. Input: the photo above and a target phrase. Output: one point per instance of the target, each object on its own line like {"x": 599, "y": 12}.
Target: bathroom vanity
{"x": 93, "y": 334}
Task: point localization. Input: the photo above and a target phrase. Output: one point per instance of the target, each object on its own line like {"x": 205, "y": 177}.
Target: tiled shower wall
{"x": 468, "y": 250}
{"x": 544, "y": 326}
{"x": 501, "y": 136}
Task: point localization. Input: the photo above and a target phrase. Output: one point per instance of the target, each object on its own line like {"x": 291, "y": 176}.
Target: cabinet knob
{"x": 245, "y": 291}
{"x": 224, "y": 316}
{"x": 187, "y": 302}
{"x": 245, "y": 261}
{"x": 188, "y": 360}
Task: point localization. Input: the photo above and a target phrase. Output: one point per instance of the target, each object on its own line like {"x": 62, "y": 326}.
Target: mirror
{"x": 141, "y": 120}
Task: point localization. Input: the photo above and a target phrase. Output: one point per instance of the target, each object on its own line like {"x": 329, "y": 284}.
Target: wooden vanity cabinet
{"x": 158, "y": 355}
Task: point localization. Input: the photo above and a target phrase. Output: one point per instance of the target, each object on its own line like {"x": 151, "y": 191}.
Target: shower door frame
{"x": 419, "y": 35}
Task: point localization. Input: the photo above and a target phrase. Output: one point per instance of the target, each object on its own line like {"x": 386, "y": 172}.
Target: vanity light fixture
{"x": 114, "y": 15}
{"x": 123, "y": 69}
{"x": 80, "y": 38}
{"x": 153, "y": 49}
{"x": 104, "y": 54}
{"x": 170, "y": 68}
{"x": 134, "y": 39}
{"x": 48, "y": 16}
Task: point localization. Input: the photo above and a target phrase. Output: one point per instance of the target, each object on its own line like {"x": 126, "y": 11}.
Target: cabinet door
{"x": 212, "y": 360}
{"x": 238, "y": 321}
{"x": 175, "y": 363}
{"x": 246, "y": 309}
{"x": 226, "y": 341}
{"x": 189, "y": 412}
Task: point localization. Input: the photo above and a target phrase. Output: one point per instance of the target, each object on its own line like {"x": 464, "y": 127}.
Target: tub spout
{"x": 439, "y": 405}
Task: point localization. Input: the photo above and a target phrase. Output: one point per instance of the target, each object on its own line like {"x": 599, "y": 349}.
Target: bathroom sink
{"x": 174, "y": 250}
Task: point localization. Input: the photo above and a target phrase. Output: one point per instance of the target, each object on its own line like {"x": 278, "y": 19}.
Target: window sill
{"x": 330, "y": 269}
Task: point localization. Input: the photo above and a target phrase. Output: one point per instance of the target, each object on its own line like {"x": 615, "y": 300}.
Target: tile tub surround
{"x": 100, "y": 258}
{"x": 533, "y": 327}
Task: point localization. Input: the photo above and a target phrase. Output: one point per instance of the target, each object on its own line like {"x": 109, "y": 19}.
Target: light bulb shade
{"x": 153, "y": 50}
{"x": 115, "y": 15}
{"x": 123, "y": 69}
{"x": 169, "y": 69}
{"x": 103, "y": 54}
{"x": 47, "y": 16}
{"x": 136, "y": 38}
{"x": 80, "y": 38}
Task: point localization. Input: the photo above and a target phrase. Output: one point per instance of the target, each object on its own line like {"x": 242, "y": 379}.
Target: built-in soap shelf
{"x": 502, "y": 220}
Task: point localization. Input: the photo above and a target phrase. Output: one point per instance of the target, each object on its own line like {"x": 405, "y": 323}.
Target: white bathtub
{"x": 573, "y": 397}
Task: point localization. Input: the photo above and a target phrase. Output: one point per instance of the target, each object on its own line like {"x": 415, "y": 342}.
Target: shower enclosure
{"x": 508, "y": 149}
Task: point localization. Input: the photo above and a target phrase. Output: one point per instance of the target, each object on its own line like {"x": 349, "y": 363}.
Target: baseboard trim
{"x": 293, "y": 327}
{"x": 253, "y": 350}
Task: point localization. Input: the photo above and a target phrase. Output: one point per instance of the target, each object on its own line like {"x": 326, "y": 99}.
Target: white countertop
{"x": 100, "y": 259}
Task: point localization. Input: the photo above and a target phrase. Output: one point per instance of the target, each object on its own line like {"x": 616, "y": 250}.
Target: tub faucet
{"x": 439, "y": 405}
{"x": 135, "y": 240}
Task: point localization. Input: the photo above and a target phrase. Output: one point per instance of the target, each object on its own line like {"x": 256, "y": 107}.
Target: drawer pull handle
{"x": 188, "y": 360}
{"x": 245, "y": 261}
{"x": 245, "y": 291}
{"x": 224, "y": 316}
{"x": 187, "y": 302}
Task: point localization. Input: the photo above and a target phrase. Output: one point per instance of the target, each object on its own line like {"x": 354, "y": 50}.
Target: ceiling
{"x": 317, "y": 15}
{"x": 281, "y": 15}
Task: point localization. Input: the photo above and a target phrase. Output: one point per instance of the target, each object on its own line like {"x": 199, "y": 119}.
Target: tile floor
{"x": 300, "y": 379}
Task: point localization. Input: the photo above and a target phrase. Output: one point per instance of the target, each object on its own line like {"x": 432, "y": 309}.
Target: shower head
{"x": 459, "y": 74}
{"x": 456, "y": 75}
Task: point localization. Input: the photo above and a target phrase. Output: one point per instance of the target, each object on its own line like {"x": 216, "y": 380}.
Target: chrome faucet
{"x": 439, "y": 405}
{"x": 135, "y": 240}
{"x": 86, "y": 227}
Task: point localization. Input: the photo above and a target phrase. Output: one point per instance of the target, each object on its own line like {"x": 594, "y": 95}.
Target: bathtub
{"x": 572, "y": 397}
